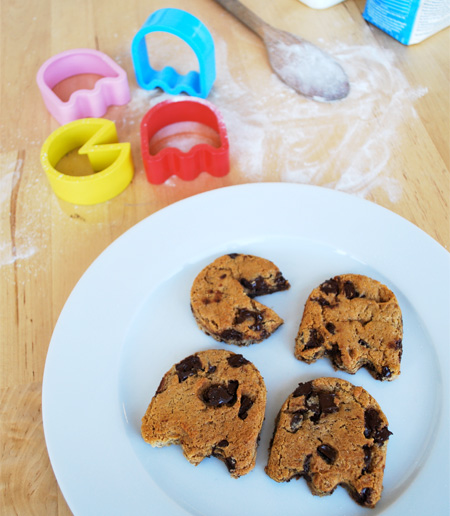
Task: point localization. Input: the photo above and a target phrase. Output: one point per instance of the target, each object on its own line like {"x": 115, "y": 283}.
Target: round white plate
{"x": 128, "y": 321}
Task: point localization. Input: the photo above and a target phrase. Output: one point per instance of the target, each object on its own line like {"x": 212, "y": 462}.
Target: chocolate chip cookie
{"x": 355, "y": 321}
{"x": 212, "y": 403}
{"x": 222, "y": 299}
{"x": 331, "y": 433}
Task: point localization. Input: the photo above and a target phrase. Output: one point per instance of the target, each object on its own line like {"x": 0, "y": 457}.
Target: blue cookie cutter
{"x": 191, "y": 30}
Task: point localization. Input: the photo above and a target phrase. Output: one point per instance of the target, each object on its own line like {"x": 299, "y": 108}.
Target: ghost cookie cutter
{"x": 202, "y": 157}
{"x": 111, "y": 162}
{"x": 191, "y": 30}
{"x": 111, "y": 89}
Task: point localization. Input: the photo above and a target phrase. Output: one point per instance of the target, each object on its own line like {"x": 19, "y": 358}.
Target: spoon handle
{"x": 242, "y": 13}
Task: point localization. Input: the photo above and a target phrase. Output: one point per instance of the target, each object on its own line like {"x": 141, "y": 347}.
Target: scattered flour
{"x": 345, "y": 145}
{"x": 25, "y": 242}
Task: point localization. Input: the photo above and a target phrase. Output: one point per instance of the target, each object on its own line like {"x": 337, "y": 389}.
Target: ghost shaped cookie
{"x": 331, "y": 433}
{"x": 211, "y": 403}
{"x": 356, "y": 321}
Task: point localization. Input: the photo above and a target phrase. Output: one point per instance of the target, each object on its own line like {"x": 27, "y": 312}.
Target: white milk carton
{"x": 408, "y": 21}
{"x": 320, "y": 4}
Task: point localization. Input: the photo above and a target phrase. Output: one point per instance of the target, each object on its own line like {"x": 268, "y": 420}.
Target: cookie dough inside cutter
{"x": 195, "y": 34}
{"x": 111, "y": 89}
{"x": 111, "y": 161}
{"x": 202, "y": 157}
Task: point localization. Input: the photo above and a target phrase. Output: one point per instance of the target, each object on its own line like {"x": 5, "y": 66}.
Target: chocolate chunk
{"x": 230, "y": 463}
{"x": 362, "y": 342}
{"x": 188, "y": 367}
{"x": 231, "y": 334}
{"x": 232, "y": 388}
{"x": 382, "y": 435}
{"x": 258, "y": 326}
{"x": 281, "y": 282}
{"x": 364, "y": 497}
{"x": 217, "y": 395}
{"x": 222, "y": 276}
{"x": 217, "y": 450}
{"x": 297, "y": 420}
{"x": 326, "y": 403}
{"x": 350, "y": 290}
{"x": 255, "y": 287}
{"x": 399, "y": 344}
{"x": 367, "y": 459}
{"x": 328, "y": 453}
{"x": 372, "y": 421}
{"x": 313, "y": 407}
{"x": 396, "y": 344}
{"x": 246, "y": 405}
{"x": 330, "y": 286}
{"x": 237, "y": 360}
{"x": 331, "y": 328}
{"x": 243, "y": 314}
{"x": 307, "y": 467}
{"x": 335, "y": 353}
{"x": 315, "y": 339}
{"x": 303, "y": 389}
{"x": 321, "y": 301}
{"x": 233, "y": 256}
{"x": 212, "y": 369}
{"x": 385, "y": 373}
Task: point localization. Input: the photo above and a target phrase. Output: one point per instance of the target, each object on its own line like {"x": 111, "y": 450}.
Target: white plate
{"x": 128, "y": 320}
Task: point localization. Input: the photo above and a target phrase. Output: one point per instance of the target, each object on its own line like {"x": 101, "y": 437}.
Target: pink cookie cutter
{"x": 171, "y": 160}
{"x": 111, "y": 89}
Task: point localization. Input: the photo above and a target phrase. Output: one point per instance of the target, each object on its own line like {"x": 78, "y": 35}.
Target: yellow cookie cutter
{"x": 110, "y": 160}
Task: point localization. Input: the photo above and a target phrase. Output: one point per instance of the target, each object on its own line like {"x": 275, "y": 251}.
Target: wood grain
{"x": 46, "y": 244}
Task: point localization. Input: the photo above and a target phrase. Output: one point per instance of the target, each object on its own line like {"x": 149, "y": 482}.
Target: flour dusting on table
{"x": 345, "y": 145}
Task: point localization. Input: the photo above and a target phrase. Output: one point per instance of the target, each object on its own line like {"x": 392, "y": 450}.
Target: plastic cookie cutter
{"x": 111, "y": 89}
{"x": 202, "y": 157}
{"x": 111, "y": 162}
{"x": 195, "y": 34}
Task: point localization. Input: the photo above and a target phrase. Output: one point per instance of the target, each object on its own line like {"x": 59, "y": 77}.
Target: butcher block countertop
{"x": 388, "y": 143}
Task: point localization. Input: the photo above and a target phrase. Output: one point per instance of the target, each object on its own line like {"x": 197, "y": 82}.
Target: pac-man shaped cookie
{"x": 111, "y": 89}
{"x": 111, "y": 161}
{"x": 222, "y": 298}
{"x": 212, "y": 403}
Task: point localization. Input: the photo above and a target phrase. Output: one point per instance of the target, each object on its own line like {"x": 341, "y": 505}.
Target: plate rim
{"x": 252, "y": 190}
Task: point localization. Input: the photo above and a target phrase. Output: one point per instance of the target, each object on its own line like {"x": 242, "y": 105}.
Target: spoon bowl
{"x": 298, "y": 63}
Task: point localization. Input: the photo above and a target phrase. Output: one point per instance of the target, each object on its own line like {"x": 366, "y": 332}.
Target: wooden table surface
{"x": 388, "y": 142}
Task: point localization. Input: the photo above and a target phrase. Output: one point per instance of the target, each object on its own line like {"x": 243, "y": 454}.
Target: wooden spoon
{"x": 300, "y": 64}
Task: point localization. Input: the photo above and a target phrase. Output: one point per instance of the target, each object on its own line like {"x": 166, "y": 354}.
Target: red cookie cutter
{"x": 173, "y": 161}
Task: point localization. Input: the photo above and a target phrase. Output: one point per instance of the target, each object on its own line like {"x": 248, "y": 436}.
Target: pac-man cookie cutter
{"x": 111, "y": 161}
{"x": 191, "y": 30}
{"x": 111, "y": 89}
{"x": 202, "y": 157}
